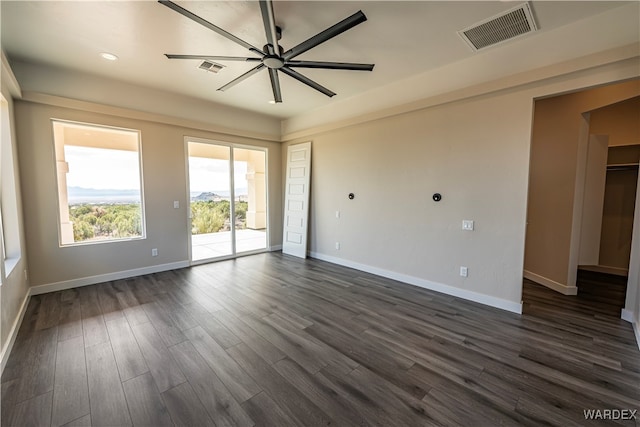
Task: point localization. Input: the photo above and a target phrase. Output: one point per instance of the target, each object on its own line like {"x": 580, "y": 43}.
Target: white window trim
{"x": 143, "y": 224}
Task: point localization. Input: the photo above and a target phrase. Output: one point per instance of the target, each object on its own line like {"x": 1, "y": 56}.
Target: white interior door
{"x": 296, "y": 202}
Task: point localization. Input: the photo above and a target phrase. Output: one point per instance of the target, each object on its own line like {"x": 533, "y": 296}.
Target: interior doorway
{"x": 571, "y": 228}
{"x": 227, "y": 200}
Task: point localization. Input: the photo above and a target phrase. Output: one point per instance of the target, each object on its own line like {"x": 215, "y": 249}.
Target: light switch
{"x": 467, "y": 224}
{"x": 176, "y": 204}
{"x": 337, "y": 214}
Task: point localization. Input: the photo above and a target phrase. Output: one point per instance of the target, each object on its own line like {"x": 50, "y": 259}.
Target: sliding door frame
{"x": 232, "y": 195}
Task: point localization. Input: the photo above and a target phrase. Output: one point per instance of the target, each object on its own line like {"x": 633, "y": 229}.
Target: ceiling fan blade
{"x": 213, "y": 57}
{"x": 330, "y": 65}
{"x": 244, "y": 76}
{"x": 209, "y": 25}
{"x": 269, "y": 20}
{"x": 307, "y": 81}
{"x": 339, "y": 28}
{"x": 275, "y": 85}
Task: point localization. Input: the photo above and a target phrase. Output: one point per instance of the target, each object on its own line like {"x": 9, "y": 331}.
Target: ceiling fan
{"x": 272, "y": 56}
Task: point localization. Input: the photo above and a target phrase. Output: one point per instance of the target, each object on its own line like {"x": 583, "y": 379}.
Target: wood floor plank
{"x": 161, "y": 319}
{"x": 266, "y": 412}
{"x": 70, "y": 320}
{"x": 239, "y": 383}
{"x": 185, "y": 407}
{"x": 109, "y": 304}
{"x": 94, "y": 330}
{"x": 295, "y": 405}
{"x": 33, "y": 412}
{"x": 8, "y": 390}
{"x": 39, "y": 364}
{"x": 50, "y": 311}
{"x": 125, "y": 349}
{"x": 163, "y": 367}
{"x": 264, "y": 348}
{"x": 80, "y": 422}
{"x": 323, "y": 352}
{"x": 132, "y": 307}
{"x": 293, "y": 345}
{"x": 223, "y": 409}
{"x": 215, "y": 329}
{"x": 277, "y": 341}
{"x": 145, "y": 403}
{"x": 70, "y": 393}
{"x": 107, "y": 401}
{"x": 320, "y": 393}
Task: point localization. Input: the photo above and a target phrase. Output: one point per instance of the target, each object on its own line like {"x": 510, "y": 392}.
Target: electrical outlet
{"x": 338, "y": 245}
{"x": 154, "y": 252}
{"x": 337, "y": 214}
{"x": 464, "y": 271}
{"x": 467, "y": 224}
{"x": 176, "y": 204}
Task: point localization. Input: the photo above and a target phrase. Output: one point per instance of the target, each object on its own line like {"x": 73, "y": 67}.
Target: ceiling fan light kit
{"x": 272, "y": 56}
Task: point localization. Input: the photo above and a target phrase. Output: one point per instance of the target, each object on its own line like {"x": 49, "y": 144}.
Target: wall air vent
{"x": 508, "y": 25}
{"x": 214, "y": 67}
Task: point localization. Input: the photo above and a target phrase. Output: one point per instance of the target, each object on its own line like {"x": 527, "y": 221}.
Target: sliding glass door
{"x": 227, "y": 190}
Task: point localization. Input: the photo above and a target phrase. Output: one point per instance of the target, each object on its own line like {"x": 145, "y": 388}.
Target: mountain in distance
{"x": 93, "y": 195}
{"x": 216, "y": 194}
{"x": 206, "y": 196}
{"x": 78, "y": 195}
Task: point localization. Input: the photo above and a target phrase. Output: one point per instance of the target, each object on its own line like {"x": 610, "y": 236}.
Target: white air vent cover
{"x": 508, "y": 25}
{"x": 211, "y": 66}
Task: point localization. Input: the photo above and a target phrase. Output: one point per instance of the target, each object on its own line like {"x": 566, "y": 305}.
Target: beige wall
{"x": 621, "y": 121}
{"x": 163, "y": 159}
{"x": 72, "y": 84}
{"x": 473, "y": 152}
{"x": 617, "y": 218}
{"x": 15, "y": 287}
{"x": 558, "y": 160}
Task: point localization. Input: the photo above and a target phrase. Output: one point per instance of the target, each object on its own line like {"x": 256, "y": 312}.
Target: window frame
{"x": 143, "y": 221}
{"x": 9, "y": 197}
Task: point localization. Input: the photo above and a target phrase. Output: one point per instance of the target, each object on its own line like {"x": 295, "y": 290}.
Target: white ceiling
{"x": 402, "y": 39}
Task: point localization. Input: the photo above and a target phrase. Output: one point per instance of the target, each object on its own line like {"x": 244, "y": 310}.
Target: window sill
{"x": 9, "y": 265}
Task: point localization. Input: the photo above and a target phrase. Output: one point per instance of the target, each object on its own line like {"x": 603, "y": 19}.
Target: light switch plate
{"x": 467, "y": 224}
{"x": 176, "y": 204}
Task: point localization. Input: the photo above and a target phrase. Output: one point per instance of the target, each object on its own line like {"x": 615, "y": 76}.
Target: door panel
{"x": 296, "y": 214}
{"x": 250, "y": 199}
{"x": 210, "y": 200}
{"x": 226, "y": 182}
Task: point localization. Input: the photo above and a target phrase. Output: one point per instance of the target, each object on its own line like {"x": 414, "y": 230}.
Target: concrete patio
{"x": 214, "y": 245}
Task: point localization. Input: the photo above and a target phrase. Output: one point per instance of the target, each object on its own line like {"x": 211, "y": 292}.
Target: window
{"x": 9, "y": 228}
{"x": 99, "y": 183}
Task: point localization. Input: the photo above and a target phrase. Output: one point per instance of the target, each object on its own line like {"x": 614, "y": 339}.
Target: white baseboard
{"x": 92, "y": 280}
{"x": 274, "y": 248}
{"x": 422, "y": 283}
{"x": 13, "y": 333}
{"x": 551, "y": 284}
{"x": 629, "y": 316}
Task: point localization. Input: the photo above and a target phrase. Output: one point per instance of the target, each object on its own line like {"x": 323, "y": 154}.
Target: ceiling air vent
{"x": 211, "y": 66}
{"x": 508, "y": 25}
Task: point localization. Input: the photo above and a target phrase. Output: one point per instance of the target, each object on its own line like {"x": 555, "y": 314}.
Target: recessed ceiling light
{"x": 108, "y": 56}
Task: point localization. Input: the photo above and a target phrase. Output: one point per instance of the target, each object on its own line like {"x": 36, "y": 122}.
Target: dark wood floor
{"x": 606, "y": 290}
{"x": 274, "y": 341}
